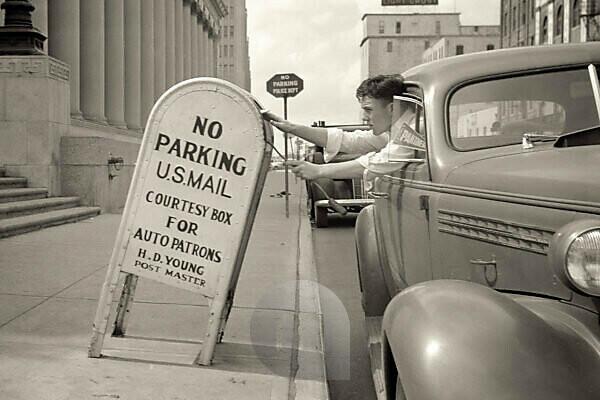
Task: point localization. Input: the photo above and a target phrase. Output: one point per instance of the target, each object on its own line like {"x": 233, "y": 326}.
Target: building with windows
{"x": 234, "y": 63}
{"x": 471, "y": 39}
{"x": 535, "y": 22}
{"x": 393, "y": 43}
{"x": 82, "y": 101}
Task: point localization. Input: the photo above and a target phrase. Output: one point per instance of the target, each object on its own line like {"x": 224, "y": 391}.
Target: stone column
{"x": 115, "y": 63}
{"x": 92, "y": 60}
{"x": 538, "y": 24}
{"x": 200, "y": 46}
{"x": 170, "y": 42}
{"x": 187, "y": 40}
{"x": 194, "y": 43}
{"x": 178, "y": 40}
{"x": 215, "y": 54}
{"x": 206, "y": 50}
{"x": 63, "y": 28}
{"x": 147, "y": 59}
{"x": 40, "y": 18}
{"x": 160, "y": 73}
{"x": 133, "y": 64}
{"x": 566, "y": 21}
{"x": 551, "y": 21}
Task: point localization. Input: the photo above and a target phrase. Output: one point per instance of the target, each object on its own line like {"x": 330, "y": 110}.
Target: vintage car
{"x": 479, "y": 261}
{"x": 327, "y": 196}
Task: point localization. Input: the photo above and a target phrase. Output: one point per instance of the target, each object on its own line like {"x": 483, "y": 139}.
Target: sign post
{"x": 285, "y": 85}
{"x": 191, "y": 204}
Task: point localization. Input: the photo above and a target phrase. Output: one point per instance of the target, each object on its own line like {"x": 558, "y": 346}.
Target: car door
{"x": 401, "y": 207}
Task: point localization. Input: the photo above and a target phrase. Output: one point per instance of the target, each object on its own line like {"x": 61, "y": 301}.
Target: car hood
{"x": 563, "y": 173}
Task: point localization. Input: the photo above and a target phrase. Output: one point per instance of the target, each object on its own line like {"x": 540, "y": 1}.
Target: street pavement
{"x": 272, "y": 349}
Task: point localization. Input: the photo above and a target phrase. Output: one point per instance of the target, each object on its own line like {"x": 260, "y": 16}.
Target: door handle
{"x": 378, "y": 195}
{"x": 484, "y": 263}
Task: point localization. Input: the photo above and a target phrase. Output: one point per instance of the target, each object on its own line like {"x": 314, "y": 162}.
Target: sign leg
{"x": 124, "y": 307}
{"x": 225, "y": 316}
{"x": 103, "y": 310}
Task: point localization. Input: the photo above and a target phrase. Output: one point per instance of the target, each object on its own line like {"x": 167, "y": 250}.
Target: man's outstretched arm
{"x": 314, "y": 135}
{"x": 342, "y": 170}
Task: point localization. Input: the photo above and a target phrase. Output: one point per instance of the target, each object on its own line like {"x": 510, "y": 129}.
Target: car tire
{"x": 321, "y": 217}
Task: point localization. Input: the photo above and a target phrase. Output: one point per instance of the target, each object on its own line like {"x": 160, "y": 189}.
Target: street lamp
{"x": 18, "y": 36}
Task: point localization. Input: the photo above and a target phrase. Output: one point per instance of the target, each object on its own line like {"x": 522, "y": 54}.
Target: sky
{"x": 319, "y": 40}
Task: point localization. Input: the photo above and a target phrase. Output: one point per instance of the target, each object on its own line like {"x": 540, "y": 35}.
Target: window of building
{"x": 575, "y": 14}
{"x": 381, "y": 26}
{"x": 532, "y": 8}
{"x": 505, "y": 24}
{"x": 545, "y": 30}
{"x": 398, "y": 27}
{"x": 514, "y": 17}
{"x": 230, "y": 50}
{"x": 476, "y": 29}
{"x": 225, "y": 31}
{"x": 524, "y": 12}
{"x": 438, "y": 28}
{"x": 559, "y": 22}
{"x": 426, "y": 44}
{"x": 231, "y": 10}
{"x": 231, "y": 31}
{"x": 389, "y": 46}
{"x": 460, "y": 49}
{"x": 225, "y": 51}
{"x": 489, "y": 47}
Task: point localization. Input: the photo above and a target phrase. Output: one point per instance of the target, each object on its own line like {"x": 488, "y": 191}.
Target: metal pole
{"x": 285, "y": 153}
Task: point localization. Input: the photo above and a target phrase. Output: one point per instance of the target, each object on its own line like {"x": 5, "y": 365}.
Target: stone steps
{"x": 28, "y": 223}
{"x": 20, "y": 194}
{"x": 24, "y": 209}
{"x": 7, "y": 183}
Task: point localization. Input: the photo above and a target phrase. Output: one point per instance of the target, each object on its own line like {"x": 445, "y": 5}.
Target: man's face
{"x": 377, "y": 113}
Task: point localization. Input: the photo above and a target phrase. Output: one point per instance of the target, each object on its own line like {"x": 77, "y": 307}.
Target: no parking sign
{"x": 192, "y": 201}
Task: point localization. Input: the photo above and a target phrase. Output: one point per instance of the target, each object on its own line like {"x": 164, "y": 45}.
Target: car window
{"x": 408, "y": 135}
{"x": 498, "y": 112}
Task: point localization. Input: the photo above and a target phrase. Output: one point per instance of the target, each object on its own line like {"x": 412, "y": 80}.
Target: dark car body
{"x": 348, "y": 194}
{"x": 463, "y": 257}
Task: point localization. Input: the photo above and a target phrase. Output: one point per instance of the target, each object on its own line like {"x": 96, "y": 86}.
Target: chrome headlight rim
{"x": 559, "y": 251}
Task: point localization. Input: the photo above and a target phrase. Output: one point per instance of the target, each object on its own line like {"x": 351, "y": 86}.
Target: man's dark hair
{"x": 383, "y": 87}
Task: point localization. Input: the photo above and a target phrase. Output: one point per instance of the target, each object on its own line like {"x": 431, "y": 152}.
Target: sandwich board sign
{"x": 192, "y": 201}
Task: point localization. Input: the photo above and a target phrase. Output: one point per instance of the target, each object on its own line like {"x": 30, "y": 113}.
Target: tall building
{"x": 471, "y": 39}
{"x": 535, "y": 22}
{"x": 82, "y": 102}
{"x": 234, "y": 62}
{"x": 393, "y": 43}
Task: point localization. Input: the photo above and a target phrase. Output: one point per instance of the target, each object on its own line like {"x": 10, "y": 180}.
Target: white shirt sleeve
{"x": 355, "y": 142}
{"x": 387, "y": 160}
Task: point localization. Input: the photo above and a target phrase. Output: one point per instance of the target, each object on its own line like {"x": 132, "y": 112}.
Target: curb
{"x": 309, "y": 356}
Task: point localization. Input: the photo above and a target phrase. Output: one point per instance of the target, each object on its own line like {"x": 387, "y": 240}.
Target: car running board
{"x": 373, "y": 325}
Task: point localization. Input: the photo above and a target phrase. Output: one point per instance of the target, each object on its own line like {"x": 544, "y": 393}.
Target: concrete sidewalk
{"x": 272, "y": 349}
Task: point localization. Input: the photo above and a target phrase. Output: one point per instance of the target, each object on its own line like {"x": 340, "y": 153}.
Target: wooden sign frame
{"x": 221, "y": 302}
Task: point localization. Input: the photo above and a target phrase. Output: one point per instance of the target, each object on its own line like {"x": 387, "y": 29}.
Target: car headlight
{"x": 575, "y": 255}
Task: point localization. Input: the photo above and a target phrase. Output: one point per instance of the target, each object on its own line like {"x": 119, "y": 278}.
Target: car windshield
{"x": 498, "y": 112}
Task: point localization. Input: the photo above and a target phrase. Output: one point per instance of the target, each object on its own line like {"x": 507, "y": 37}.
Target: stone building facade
{"x": 234, "y": 62}
{"x": 471, "y": 39}
{"x": 537, "y": 22}
{"x": 72, "y": 112}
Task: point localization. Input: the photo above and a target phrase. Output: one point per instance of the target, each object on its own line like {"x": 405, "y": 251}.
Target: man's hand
{"x": 278, "y": 122}
{"x": 304, "y": 169}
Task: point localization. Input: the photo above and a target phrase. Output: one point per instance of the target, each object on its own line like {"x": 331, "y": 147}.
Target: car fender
{"x": 461, "y": 340}
{"x": 375, "y": 296}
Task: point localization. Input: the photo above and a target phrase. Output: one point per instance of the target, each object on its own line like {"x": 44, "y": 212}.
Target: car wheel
{"x": 321, "y": 217}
